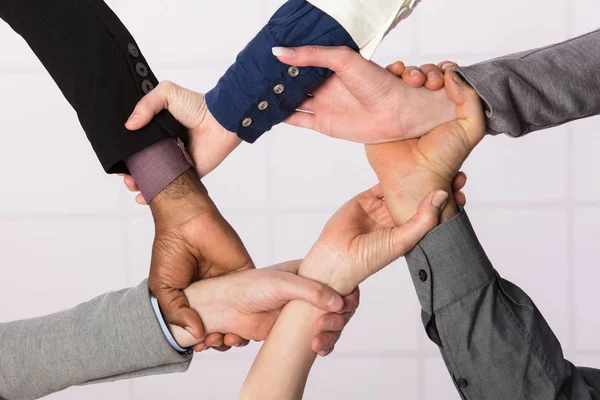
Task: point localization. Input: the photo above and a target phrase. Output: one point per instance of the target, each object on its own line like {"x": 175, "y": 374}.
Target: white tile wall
{"x": 69, "y": 232}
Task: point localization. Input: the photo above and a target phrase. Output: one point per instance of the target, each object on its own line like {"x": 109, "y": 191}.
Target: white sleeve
{"x": 367, "y": 21}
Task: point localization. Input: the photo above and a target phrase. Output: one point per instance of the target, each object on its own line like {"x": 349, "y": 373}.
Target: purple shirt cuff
{"x": 155, "y": 167}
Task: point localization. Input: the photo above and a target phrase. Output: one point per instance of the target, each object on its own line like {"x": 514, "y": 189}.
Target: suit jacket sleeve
{"x": 114, "y": 336}
{"x": 494, "y": 341}
{"x": 98, "y": 67}
{"x": 540, "y": 88}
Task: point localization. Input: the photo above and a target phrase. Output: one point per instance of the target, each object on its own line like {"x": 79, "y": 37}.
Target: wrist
{"x": 182, "y": 199}
{"x": 321, "y": 265}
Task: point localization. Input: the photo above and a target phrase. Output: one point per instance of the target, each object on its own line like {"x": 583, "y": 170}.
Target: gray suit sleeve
{"x": 114, "y": 336}
{"x": 540, "y": 88}
{"x": 493, "y": 339}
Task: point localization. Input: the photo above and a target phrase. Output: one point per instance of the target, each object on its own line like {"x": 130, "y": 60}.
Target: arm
{"x": 540, "y": 88}
{"x": 359, "y": 240}
{"x": 494, "y": 341}
{"x": 114, "y": 336}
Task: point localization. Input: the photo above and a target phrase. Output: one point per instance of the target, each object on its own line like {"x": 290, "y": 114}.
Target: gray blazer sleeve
{"x": 540, "y": 88}
{"x": 493, "y": 339}
{"x": 114, "y": 336}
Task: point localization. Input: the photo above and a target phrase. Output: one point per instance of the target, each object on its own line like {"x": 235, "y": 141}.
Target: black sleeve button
{"x": 133, "y": 50}
{"x": 423, "y": 275}
{"x": 147, "y": 86}
{"x": 141, "y": 69}
{"x": 462, "y": 383}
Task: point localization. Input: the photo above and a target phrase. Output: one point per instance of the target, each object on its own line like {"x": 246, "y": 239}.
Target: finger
{"x": 140, "y": 200}
{"x": 427, "y": 217}
{"x": 325, "y": 341}
{"x": 468, "y": 106}
{"x": 446, "y": 66}
{"x": 301, "y": 120}
{"x": 288, "y": 266}
{"x": 460, "y": 180}
{"x": 460, "y": 199}
{"x": 221, "y": 349}
{"x": 294, "y": 287}
{"x": 214, "y": 340}
{"x": 377, "y": 191}
{"x": 232, "y": 340}
{"x": 337, "y": 59}
{"x": 130, "y": 183}
{"x": 435, "y": 77}
{"x": 150, "y": 105}
{"x": 331, "y": 322}
{"x": 396, "y": 68}
{"x": 176, "y": 310}
{"x": 414, "y": 77}
{"x": 243, "y": 343}
{"x": 352, "y": 301}
{"x": 200, "y": 347}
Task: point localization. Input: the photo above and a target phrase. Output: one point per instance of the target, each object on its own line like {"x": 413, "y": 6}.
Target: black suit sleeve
{"x": 98, "y": 67}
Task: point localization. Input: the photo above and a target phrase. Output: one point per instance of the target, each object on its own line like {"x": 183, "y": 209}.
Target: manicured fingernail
{"x": 133, "y": 119}
{"x": 335, "y": 303}
{"x": 446, "y": 66}
{"x": 416, "y": 72}
{"x": 456, "y": 78}
{"x": 283, "y": 52}
{"x": 217, "y": 344}
{"x": 433, "y": 76}
{"x": 439, "y": 199}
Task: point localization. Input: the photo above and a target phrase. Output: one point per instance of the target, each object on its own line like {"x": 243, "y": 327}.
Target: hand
{"x": 416, "y": 76}
{"x": 210, "y": 143}
{"x": 409, "y": 170}
{"x": 248, "y": 303}
{"x": 362, "y": 102}
{"x": 361, "y": 239}
{"x": 192, "y": 241}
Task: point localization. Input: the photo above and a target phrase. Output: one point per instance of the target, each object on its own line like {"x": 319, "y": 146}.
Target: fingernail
{"x": 415, "y": 72}
{"x": 456, "y": 78}
{"x": 283, "y": 52}
{"x": 433, "y": 76}
{"x": 133, "y": 119}
{"x": 335, "y": 303}
{"x": 327, "y": 326}
{"x": 216, "y": 344}
{"x": 190, "y": 331}
{"x": 446, "y": 66}
{"x": 439, "y": 199}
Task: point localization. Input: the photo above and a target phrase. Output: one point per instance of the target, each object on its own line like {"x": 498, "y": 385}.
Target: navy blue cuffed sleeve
{"x": 258, "y": 91}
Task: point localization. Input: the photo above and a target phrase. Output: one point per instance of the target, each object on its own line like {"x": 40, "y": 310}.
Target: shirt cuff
{"x": 448, "y": 264}
{"x": 258, "y": 91}
{"x": 155, "y": 167}
{"x": 165, "y": 329}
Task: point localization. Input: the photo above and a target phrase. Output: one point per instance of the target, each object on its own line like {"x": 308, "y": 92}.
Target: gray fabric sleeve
{"x": 112, "y": 337}
{"x": 493, "y": 339}
{"x": 540, "y": 88}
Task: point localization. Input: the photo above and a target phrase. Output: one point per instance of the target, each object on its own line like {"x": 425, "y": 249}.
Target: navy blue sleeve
{"x": 258, "y": 91}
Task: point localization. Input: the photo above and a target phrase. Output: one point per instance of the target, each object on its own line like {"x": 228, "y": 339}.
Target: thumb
{"x": 176, "y": 309}
{"x": 337, "y": 59}
{"x": 294, "y": 287}
{"x": 468, "y": 105}
{"x": 406, "y": 236}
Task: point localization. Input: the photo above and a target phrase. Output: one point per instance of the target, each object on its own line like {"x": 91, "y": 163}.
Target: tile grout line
{"x": 570, "y": 208}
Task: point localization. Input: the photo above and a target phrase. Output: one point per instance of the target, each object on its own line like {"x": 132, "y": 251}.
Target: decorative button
{"x": 462, "y": 383}
{"x": 293, "y": 71}
{"x": 141, "y": 69}
{"x": 133, "y": 50}
{"x": 247, "y": 122}
{"x": 423, "y": 275}
{"x": 263, "y": 105}
{"x": 279, "y": 89}
{"x": 147, "y": 86}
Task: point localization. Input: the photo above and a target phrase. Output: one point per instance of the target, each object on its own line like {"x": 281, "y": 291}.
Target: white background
{"x": 68, "y": 232}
